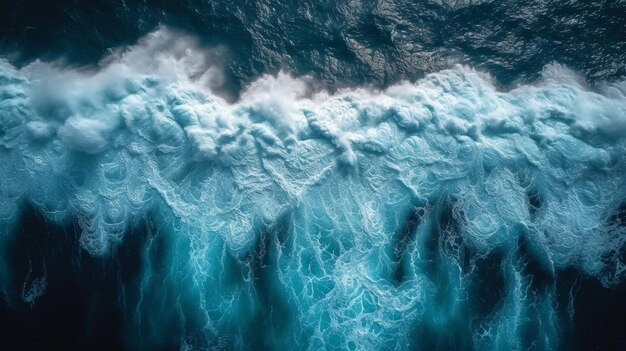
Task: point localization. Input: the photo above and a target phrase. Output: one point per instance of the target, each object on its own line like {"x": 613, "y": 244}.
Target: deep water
{"x": 341, "y": 43}
{"x": 434, "y": 175}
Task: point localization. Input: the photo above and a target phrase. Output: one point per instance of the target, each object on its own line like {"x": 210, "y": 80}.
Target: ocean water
{"x": 359, "y": 175}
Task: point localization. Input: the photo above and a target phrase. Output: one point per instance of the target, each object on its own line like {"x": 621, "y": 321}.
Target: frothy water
{"x": 352, "y": 220}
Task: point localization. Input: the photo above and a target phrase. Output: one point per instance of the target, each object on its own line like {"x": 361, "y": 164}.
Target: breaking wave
{"x": 353, "y": 220}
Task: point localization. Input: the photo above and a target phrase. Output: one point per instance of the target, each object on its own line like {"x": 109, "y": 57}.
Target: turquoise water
{"x": 266, "y": 179}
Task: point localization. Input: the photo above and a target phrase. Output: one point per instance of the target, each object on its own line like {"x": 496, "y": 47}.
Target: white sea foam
{"x": 147, "y": 134}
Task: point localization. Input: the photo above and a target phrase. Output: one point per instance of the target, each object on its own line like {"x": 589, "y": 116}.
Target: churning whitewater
{"x": 354, "y": 220}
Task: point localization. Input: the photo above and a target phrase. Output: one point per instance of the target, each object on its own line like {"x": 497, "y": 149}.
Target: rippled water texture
{"x": 360, "y": 219}
{"x": 339, "y": 42}
{"x": 425, "y": 175}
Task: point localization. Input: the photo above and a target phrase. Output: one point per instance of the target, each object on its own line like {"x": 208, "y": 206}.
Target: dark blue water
{"x": 330, "y": 175}
{"x": 341, "y": 43}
